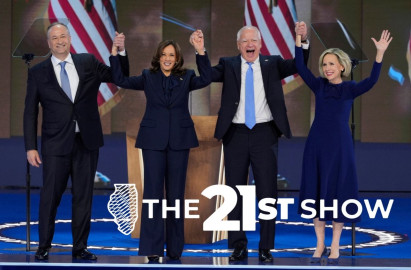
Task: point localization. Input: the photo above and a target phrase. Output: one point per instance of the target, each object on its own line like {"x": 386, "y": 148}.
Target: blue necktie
{"x": 249, "y": 98}
{"x": 65, "y": 83}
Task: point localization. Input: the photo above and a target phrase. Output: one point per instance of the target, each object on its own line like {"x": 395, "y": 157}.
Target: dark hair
{"x": 178, "y": 67}
{"x": 54, "y": 24}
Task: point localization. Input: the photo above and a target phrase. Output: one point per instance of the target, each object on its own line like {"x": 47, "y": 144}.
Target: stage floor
{"x": 11, "y": 261}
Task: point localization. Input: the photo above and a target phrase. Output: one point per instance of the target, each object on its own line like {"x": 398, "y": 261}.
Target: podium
{"x": 205, "y": 168}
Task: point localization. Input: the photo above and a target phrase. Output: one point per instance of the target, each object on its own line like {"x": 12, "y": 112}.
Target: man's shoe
{"x": 239, "y": 254}
{"x": 84, "y": 254}
{"x": 42, "y": 254}
{"x": 265, "y": 255}
{"x": 153, "y": 258}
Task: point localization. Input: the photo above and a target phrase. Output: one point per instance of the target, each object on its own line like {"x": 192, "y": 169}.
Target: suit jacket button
{"x": 236, "y": 103}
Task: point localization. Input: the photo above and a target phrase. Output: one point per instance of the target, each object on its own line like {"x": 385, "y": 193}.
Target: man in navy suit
{"x": 66, "y": 86}
{"x": 250, "y": 123}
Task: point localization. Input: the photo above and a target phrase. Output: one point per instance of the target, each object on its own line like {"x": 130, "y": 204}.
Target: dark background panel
{"x": 386, "y": 109}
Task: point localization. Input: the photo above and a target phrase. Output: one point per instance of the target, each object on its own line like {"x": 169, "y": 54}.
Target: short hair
{"x": 342, "y": 57}
{"x": 54, "y": 24}
{"x": 248, "y": 27}
{"x": 178, "y": 67}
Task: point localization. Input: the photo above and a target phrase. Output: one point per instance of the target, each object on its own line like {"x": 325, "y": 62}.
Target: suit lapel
{"x": 80, "y": 72}
{"x": 265, "y": 68}
{"x": 237, "y": 73}
{"x": 178, "y": 89}
{"x": 157, "y": 81}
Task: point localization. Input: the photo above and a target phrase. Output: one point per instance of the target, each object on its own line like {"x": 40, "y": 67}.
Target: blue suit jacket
{"x": 273, "y": 68}
{"x": 165, "y": 123}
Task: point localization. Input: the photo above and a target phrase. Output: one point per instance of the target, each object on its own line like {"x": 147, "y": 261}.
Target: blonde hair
{"x": 342, "y": 57}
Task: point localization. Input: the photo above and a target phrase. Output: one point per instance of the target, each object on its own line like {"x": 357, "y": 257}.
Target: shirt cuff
{"x": 122, "y": 53}
{"x": 305, "y": 46}
{"x": 204, "y": 51}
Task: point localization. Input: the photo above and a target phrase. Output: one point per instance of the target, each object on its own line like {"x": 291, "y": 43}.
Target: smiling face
{"x": 332, "y": 68}
{"x": 168, "y": 59}
{"x": 249, "y": 44}
{"x": 59, "y": 41}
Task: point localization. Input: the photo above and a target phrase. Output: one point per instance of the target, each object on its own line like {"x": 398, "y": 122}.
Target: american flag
{"x": 275, "y": 19}
{"x": 92, "y": 25}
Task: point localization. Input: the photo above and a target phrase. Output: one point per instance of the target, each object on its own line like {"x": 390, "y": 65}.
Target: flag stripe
{"x": 100, "y": 99}
{"x": 84, "y": 21}
{"x": 81, "y": 31}
{"x": 105, "y": 90}
{"x": 287, "y": 15}
{"x": 272, "y": 48}
{"x": 52, "y": 15}
{"x": 264, "y": 48}
{"x": 105, "y": 17}
{"x": 291, "y": 8}
{"x": 277, "y": 28}
{"x": 101, "y": 28}
{"x": 275, "y": 31}
{"x": 58, "y": 13}
{"x": 284, "y": 27}
{"x": 110, "y": 10}
{"x": 91, "y": 32}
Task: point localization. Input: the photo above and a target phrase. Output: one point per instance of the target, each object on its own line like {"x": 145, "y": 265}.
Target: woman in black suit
{"x": 166, "y": 135}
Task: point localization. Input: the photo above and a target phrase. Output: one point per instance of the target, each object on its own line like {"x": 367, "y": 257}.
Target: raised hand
{"x": 384, "y": 41}
{"x": 382, "y": 44}
{"x": 118, "y": 43}
{"x": 301, "y": 29}
{"x": 197, "y": 40}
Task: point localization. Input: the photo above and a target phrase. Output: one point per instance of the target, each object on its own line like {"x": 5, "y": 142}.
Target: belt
{"x": 258, "y": 125}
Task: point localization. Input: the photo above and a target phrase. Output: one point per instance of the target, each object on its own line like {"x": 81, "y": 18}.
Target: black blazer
{"x": 165, "y": 123}
{"x": 273, "y": 68}
{"x": 59, "y": 112}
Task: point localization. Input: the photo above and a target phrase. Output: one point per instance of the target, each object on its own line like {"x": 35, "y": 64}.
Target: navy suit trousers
{"x": 257, "y": 147}
{"x": 81, "y": 165}
{"x": 164, "y": 170}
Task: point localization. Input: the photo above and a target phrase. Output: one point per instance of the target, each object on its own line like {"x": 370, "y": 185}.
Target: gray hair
{"x": 246, "y": 28}
{"x": 54, "y": 24}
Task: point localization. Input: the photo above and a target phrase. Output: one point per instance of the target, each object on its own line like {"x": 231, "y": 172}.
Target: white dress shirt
{"x": 71, "y": 72}
{"x": 262, "y": 111}
{"x": 72, "y": 75}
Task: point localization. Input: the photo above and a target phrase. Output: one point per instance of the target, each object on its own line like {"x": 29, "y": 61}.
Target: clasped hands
{"x": 118, "y": 43}
{"x": 197, "y": 40}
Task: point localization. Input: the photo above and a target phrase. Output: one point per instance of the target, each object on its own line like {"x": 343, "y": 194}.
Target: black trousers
{"x": 81, "y": 165}
{"x": 163, "y": 170}
{"x": 258, "y": 146}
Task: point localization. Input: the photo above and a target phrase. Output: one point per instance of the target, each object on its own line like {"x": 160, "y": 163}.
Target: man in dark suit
{"x": 251, "y": 119}
{"x": 66, "y": 86}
